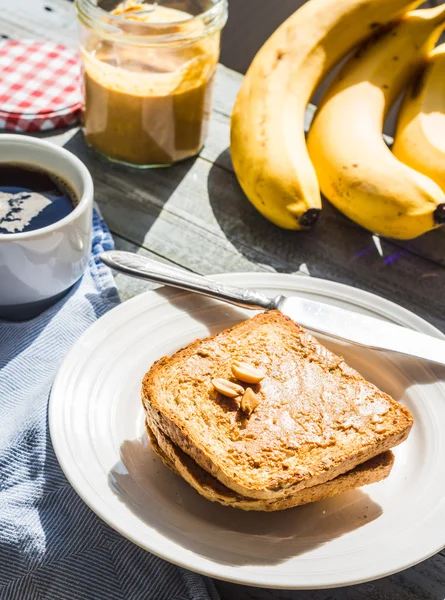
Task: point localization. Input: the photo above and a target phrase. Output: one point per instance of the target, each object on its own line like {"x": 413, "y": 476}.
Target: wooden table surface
{"x": 196, "y": 216}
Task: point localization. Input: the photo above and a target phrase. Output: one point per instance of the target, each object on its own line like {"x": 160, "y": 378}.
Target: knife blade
{"x": 319, "y": 317}
{"x": 362, "y": 330}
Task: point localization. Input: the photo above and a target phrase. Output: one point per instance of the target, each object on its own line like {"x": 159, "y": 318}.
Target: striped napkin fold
{"x": 52, "y": 546}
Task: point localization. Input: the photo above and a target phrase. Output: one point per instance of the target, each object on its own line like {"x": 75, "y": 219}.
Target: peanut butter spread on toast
{"x": 316, "y": 417}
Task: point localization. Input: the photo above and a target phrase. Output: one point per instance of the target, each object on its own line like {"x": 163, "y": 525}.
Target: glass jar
{"x": 148, "y": 76}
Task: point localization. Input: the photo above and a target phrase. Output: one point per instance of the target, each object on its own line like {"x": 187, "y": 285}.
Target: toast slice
{"x": 317, "y": 418}
{"x": 174, "y": 458}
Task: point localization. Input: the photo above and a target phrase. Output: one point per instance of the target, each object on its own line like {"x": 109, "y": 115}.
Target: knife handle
{"x": 142, "y": 267}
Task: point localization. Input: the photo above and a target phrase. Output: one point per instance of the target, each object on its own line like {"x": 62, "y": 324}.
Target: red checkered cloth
{"x": 39, "y": 86}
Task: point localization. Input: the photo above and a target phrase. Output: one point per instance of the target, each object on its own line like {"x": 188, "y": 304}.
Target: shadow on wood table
{"x": 149, "y": 189}
{"x": 335, "y": 249}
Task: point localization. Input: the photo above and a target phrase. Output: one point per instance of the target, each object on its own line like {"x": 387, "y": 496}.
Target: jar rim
{"x": 213, "y": 19}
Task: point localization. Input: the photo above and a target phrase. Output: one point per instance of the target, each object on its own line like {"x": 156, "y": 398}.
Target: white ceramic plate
{"x": 96, "y": 423}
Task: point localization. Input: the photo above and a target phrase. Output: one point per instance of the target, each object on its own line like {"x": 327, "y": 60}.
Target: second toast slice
{"x": 182, "y": 464}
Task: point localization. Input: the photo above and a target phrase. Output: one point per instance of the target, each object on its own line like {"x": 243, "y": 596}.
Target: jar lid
{"x": 39, "y": 87}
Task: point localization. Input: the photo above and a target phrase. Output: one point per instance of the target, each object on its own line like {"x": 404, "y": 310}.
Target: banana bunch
{"x": 345, "y": 154}
{"x": 357, "y": 172}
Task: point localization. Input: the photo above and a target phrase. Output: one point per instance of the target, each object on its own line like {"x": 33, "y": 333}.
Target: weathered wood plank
{"x": 431, "y": 246}
{"x": 129, "y": 287}
{"x": 425, "y": 581}
{"x": 39, "y": 19}
{"x": 231, "y": 591}
{"x": 226, "y": 88}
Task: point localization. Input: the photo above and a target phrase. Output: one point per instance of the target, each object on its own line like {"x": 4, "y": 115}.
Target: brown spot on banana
{"x": 380, "y": 32}
{"x": 278, "y": 58}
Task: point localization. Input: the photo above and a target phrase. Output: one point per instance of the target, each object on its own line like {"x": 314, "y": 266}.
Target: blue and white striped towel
{"x": 52, "y": 546}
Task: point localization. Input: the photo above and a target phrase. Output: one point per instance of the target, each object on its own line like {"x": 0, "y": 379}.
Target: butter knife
{"x": 319, "y": 317}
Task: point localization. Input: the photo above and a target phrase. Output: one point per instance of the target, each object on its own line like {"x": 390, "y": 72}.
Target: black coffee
{"x": 32, "y": 198}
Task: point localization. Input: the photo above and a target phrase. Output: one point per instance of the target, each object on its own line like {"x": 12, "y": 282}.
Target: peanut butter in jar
{"x": 148, "y": 88}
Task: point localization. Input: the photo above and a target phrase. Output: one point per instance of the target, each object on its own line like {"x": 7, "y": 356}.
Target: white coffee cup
{"x": 38, "y": 267}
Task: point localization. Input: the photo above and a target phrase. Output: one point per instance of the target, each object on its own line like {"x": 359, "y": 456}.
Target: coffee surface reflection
{"x": 32, "y": 198}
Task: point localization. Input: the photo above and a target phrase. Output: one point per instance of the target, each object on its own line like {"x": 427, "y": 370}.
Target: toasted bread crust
{"x": 317, "y": 418}
{"x": 182, "y": 464}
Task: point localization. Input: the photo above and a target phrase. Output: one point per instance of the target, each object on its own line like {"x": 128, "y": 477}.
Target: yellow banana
{"x": 268, "y": 145}
{"x": 356, "y": 170}
{"x": 420, "y": 133}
